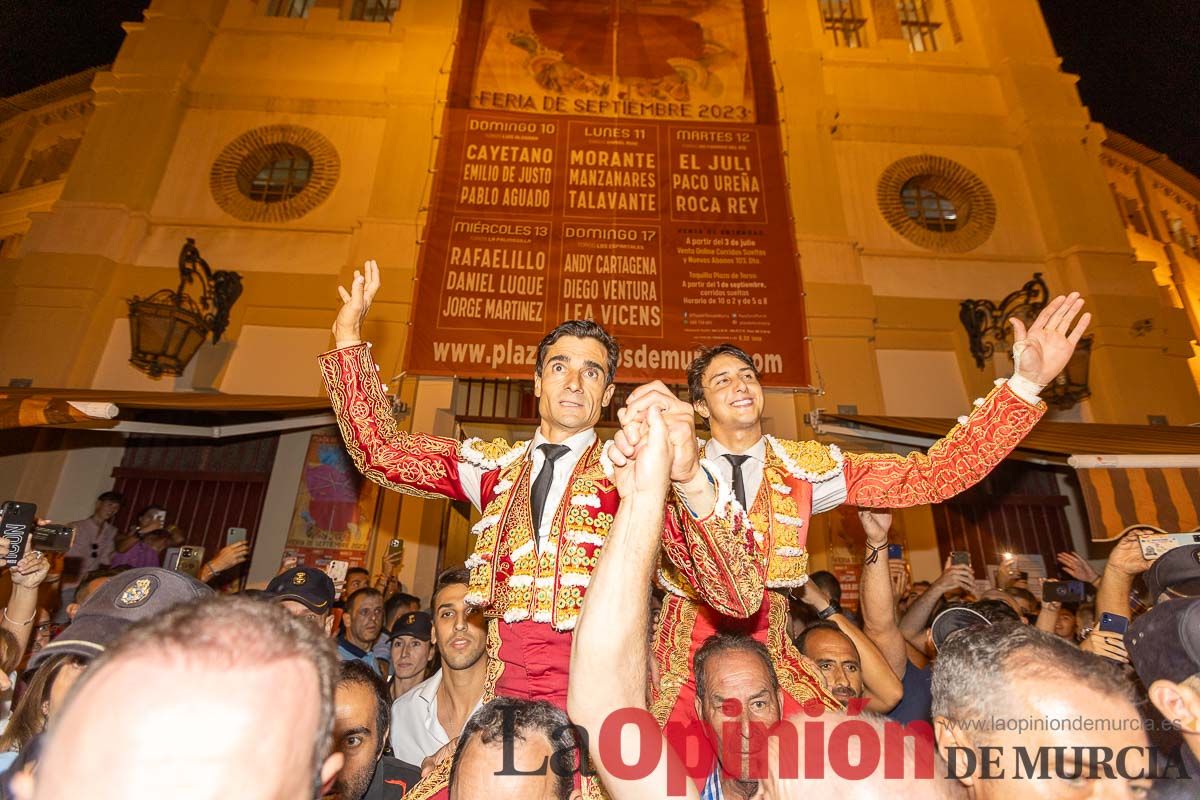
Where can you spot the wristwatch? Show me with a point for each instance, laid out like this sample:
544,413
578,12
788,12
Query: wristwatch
830,610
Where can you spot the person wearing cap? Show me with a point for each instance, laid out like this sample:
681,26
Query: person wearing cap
305,592
1175,574
126,598
1164,647
411,651
222,697
394,607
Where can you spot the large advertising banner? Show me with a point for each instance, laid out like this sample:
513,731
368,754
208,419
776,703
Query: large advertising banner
617,161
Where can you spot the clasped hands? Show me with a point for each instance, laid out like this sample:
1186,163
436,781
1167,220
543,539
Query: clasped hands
656,445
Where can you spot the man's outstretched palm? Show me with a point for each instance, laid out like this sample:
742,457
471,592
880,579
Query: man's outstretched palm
347,328
1046,347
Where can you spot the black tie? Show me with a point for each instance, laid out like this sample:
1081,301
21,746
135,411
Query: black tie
739,483
541,486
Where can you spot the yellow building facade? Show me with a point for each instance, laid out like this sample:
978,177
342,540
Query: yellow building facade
105,174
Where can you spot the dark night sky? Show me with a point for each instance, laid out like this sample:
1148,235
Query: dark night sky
1138,59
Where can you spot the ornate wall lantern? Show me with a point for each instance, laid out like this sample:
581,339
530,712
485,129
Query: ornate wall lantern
987,328
168,327
987,322
1071,385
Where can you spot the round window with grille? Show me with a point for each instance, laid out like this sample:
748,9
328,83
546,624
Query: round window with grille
937,203
274,174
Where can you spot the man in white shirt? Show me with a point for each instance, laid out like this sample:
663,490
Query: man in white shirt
429,716
94,539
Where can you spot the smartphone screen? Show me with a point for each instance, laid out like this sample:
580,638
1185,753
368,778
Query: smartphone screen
235,535
1062,591
959,557
895,552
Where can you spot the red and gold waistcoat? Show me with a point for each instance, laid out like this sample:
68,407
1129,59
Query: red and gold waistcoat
511,577
801,479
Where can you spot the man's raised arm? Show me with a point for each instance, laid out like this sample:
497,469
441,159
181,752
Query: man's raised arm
412,463
981,441
608,654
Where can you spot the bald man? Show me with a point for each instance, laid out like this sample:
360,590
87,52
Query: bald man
223,697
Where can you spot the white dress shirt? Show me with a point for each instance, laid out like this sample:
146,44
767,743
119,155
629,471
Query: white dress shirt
827,494
416,732
470,476
563,467
752,468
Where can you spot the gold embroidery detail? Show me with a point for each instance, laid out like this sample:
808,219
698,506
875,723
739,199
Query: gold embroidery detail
436,781
954,463
390,457
782,570
496,454
807,460
673,652
495,668
798,675
544,584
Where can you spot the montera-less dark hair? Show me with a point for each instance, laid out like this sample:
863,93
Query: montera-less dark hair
696,370
582,329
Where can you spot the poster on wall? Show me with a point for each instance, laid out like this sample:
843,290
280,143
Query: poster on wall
334,505
615,161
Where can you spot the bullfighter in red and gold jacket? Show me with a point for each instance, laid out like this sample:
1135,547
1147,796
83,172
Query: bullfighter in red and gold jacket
547,504
779,485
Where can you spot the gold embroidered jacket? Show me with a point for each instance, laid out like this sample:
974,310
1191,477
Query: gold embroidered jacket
511,577
801,479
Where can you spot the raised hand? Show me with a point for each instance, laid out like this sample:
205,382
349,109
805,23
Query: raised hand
876,523
347,327
1127,558
31,570
230,556
956,577
1106,644
641,457
680,420
1042,351
1077,567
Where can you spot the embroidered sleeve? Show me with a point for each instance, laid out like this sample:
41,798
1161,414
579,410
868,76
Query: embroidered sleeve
718,556
972,449
412,463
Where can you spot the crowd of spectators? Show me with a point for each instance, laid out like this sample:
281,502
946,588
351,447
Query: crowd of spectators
161,685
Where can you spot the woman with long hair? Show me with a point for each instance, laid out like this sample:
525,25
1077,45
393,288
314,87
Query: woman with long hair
42,698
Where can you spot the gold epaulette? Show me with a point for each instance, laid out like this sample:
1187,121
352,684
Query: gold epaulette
808,460
496,454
